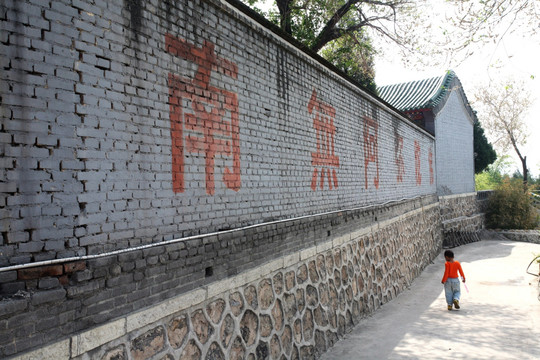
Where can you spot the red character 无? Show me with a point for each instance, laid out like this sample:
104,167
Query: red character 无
417,163
324,158
204,118
430,160
371,152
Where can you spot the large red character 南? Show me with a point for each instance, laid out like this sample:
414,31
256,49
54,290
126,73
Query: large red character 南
371,152
324,158
198,115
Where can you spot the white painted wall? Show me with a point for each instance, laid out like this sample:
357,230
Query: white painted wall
454,152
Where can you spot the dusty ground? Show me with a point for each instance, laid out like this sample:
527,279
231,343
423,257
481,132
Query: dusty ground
499,317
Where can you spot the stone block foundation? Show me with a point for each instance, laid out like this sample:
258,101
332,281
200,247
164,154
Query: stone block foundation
462,218
294,307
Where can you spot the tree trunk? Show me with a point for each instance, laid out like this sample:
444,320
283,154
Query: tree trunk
284,7
329,31
525,172
522,158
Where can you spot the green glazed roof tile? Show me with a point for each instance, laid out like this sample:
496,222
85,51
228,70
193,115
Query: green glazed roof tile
417,95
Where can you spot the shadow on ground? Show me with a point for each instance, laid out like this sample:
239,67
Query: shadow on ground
499,319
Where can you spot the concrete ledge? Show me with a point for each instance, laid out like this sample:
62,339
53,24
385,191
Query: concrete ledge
166,308
290,260
341,240
91,339
449,197
462,218
59,350
308,253
324,247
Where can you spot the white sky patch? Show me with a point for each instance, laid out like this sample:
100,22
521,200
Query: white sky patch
514,57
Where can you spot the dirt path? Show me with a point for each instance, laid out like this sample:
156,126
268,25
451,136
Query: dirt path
499,317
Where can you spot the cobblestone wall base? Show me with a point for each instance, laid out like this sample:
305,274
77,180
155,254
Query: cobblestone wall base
461,219
531,236
294,307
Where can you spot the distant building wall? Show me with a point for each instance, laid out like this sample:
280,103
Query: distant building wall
454,148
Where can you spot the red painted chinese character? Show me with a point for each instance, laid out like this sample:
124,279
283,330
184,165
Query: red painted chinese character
204,118
371,152
324,157
399,158
430,160
417,162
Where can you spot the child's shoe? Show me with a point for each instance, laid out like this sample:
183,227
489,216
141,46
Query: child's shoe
449,307
456,303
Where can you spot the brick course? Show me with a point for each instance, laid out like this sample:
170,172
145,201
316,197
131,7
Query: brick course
130,123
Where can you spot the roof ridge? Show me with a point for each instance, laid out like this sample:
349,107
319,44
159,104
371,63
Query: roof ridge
417,94
444,87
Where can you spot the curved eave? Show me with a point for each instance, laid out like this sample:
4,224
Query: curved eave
418,95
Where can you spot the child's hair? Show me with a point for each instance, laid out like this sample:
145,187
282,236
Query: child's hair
449,253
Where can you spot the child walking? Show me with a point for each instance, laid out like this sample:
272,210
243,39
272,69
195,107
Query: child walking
451,279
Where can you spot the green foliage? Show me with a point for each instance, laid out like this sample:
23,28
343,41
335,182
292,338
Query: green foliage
486,180
304,21
484,154
531,180
307,22
510,207
353,54
347,46
492,176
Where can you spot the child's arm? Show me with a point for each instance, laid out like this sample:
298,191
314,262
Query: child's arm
446,271
461,272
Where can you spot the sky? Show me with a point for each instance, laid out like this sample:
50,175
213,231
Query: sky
514,57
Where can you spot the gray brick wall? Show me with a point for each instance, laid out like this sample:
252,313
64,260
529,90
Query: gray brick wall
130,123
87,140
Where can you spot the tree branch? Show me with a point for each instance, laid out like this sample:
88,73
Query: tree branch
331,31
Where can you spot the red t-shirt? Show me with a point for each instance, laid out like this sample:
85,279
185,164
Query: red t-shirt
451,270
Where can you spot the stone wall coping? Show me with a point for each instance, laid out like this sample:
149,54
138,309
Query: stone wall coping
55,351
164,309
95,337
461,218
516,231
85,341
455,196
